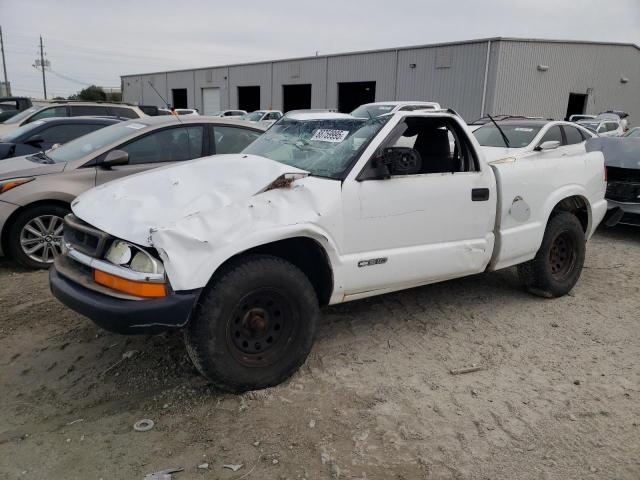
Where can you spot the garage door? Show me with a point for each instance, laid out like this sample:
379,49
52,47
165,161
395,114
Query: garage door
210,100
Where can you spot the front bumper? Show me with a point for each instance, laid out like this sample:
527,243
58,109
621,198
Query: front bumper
6,209
148,316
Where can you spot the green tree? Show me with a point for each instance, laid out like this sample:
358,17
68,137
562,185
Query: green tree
91,94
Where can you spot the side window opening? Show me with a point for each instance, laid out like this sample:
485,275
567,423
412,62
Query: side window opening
168,145
573,135
436,145
553,134
232,139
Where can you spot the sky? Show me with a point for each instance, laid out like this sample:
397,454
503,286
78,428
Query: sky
90,42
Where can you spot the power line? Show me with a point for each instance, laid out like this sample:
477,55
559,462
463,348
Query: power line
69,79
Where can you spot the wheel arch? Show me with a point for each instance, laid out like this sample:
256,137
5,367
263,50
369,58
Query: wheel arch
304,252
579,206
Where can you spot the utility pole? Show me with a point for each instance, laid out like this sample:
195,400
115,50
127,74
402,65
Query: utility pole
4,65
42,64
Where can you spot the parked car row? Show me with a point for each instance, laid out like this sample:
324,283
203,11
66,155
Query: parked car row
36,190
75,109
47,133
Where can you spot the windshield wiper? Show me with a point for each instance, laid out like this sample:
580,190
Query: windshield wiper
43,157
504,137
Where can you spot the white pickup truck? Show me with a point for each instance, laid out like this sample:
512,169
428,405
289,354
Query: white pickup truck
241,251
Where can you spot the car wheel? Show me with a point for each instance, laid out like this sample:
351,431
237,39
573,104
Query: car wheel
35,235
557,266
253,327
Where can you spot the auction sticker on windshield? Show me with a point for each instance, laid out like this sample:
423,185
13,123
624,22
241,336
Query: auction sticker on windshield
326,135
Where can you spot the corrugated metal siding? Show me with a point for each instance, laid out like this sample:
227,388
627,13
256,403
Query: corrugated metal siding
131,89
251,75
573,68
212,77
492,75
370,67
450,75
311,71
149,97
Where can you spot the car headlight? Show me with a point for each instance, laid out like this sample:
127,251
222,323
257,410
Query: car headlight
7,185
133,257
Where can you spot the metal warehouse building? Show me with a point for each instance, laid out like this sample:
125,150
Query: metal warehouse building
544,78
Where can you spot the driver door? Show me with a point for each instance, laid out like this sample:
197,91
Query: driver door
430,224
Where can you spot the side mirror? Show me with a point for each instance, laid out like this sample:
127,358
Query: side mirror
115,158
35,141
548,145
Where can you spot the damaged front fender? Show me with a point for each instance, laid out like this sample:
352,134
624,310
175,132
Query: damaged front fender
200,213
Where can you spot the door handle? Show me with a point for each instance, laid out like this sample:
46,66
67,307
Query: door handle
479,194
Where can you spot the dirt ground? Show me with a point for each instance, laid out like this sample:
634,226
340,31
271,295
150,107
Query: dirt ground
558,396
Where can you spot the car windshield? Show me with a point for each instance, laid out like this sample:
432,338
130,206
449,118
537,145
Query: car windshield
519,136
18,132
633,133
253,116
370,111
94,141
17,118
325,147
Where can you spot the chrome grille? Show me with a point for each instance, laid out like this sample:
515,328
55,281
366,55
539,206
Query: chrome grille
84,238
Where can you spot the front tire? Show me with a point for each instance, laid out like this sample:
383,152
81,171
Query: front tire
254,325
35,235
557,266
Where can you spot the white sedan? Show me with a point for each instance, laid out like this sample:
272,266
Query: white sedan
370,110
604,127
180,111
263,117
526,137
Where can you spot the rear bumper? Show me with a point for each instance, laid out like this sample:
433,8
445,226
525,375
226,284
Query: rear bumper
130,317
631,215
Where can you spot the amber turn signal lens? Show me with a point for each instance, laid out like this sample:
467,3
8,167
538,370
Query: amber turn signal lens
8,185
137,289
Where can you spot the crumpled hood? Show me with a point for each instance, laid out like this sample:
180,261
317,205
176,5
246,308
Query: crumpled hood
21,167
134,207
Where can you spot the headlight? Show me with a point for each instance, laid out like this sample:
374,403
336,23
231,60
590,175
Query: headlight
7,185
145,263
119,253
133,257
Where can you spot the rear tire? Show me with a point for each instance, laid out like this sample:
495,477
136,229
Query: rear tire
254,325
35,235
557,266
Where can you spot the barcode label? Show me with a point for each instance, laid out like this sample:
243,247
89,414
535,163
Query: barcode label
333,136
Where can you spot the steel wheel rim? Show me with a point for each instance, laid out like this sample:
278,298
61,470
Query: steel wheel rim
261,327
41,238
562,255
